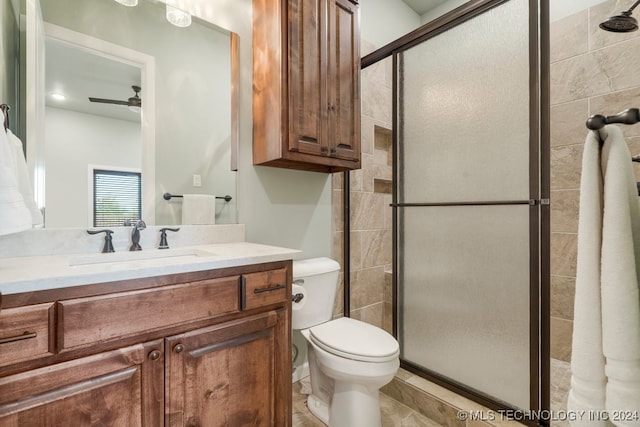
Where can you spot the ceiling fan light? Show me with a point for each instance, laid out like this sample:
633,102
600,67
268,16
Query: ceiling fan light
130,3
178,17
135,109
58,96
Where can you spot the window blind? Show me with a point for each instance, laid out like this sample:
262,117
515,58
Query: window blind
117,197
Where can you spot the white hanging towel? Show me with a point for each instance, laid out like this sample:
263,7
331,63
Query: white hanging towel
198,209
14,214
605,361
24,183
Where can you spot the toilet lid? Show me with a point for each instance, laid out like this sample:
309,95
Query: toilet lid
356,340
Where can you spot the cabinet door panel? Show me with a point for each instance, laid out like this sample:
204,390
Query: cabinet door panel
118,388
307,59
344,80
224,375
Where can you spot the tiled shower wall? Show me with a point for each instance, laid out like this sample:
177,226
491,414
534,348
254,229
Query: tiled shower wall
592,72
370,194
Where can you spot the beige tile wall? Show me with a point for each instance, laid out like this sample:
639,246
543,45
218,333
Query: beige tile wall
370,195
592,72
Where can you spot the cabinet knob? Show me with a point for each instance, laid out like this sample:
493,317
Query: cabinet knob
178,348
154,355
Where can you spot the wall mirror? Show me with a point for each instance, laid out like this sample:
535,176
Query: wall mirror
184,139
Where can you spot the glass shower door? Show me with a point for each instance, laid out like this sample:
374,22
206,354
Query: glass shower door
467,184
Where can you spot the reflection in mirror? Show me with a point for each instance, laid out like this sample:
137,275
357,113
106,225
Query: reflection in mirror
100,49
81,136
9,52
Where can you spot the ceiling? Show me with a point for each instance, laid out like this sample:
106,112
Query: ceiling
79,74
423,6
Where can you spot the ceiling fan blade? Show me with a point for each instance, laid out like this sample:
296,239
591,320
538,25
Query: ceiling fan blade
108,101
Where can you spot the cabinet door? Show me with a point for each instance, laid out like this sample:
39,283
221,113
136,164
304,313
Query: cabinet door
119,388
344,80
307,76
230,374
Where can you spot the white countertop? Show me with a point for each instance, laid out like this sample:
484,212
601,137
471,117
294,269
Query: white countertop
27,274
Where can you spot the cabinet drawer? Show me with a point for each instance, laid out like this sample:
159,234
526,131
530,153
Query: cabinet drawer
267,287
84,321
25,333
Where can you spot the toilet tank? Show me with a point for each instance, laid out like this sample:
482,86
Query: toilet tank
318,279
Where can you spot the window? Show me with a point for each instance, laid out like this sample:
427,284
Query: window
117,196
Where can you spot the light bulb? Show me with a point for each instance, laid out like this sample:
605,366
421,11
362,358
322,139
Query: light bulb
177,17
130,3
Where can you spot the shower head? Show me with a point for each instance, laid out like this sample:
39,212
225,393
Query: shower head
623,23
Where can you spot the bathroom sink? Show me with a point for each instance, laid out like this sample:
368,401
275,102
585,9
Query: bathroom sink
117,257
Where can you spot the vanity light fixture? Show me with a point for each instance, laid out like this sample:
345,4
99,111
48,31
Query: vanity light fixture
178,17
130,3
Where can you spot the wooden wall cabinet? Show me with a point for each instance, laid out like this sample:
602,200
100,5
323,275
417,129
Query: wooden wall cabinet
306,84
127,358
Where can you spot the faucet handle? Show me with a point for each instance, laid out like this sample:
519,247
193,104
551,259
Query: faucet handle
163,237
108,243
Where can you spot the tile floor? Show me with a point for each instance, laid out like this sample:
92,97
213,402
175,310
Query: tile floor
394,414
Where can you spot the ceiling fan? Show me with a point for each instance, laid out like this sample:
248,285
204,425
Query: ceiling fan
135,102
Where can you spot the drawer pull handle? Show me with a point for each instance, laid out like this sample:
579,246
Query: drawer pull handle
178,348
24,336
154,355
269,289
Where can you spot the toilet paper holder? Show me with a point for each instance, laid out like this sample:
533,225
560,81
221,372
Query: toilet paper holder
297,297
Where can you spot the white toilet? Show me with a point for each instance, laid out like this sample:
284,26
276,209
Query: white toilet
349,360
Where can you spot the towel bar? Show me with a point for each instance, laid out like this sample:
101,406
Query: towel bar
168,196
630,116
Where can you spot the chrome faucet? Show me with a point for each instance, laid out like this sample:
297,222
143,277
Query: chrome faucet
135,233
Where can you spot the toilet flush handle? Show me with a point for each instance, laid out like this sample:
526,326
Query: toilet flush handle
297,297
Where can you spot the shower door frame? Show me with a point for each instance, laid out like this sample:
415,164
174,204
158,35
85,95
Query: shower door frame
539,196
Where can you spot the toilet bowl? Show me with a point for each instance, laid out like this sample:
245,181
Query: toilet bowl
349,360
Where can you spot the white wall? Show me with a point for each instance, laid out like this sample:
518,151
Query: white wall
441,10
75,140
383,21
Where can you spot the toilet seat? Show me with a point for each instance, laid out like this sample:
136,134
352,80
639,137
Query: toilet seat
353,339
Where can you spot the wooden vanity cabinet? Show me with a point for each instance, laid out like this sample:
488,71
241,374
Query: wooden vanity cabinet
225,375
306,89
130,359
122,387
